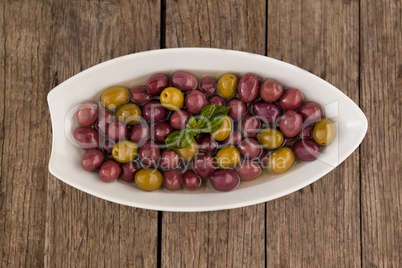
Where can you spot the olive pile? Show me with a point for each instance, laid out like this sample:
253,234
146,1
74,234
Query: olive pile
265,127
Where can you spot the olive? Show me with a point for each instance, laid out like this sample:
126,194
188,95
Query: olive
184,80
207,85
227,85
114,97
188,153
179,119
271,90
248,87
217,100
237,109
191,181
169,159
288,142
249,148
306,132
224,180
117,131
109,171
86,137
140,95
270,138
204,165
281,160
87,113
140,133
149,153
324,132
228,157
234,138
171,179
195,101
208,145
161,130
248,170
107,146
306,150
310,111
124,151
92,159
156,83
267,112
250,125
290,100
105,118
129,113
223,131
148,179
290,124
263,159
128,171
153,112
172,98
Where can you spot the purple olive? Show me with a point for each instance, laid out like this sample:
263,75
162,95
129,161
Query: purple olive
290,124
224,180
140,95
109,171
195,100
310,111
208,145
271,90
267,112
107,146
92,159
290,100
184,81
86,137
306,132
237,109
117,131
207,85
204,165
161,130
179,119
105,118
191,181
87,113
182,166
248,87
171,179
140,132
153,112
217,100
128,171
249,148
250,125
169,159
306,150
248,170
156,83
149,153
234,138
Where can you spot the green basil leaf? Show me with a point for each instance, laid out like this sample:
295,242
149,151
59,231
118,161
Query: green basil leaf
180,139
213,110
192,122
214,124
174,139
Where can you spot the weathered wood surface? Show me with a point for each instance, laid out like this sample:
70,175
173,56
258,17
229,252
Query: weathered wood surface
349,218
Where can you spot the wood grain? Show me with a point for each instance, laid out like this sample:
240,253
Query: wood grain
229,238
318,226
381,91
82,230
25,132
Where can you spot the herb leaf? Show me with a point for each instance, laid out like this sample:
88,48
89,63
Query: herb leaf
214,110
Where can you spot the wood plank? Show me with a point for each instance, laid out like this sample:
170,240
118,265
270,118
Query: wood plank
318,226
25,131
381,91
81,230
229,238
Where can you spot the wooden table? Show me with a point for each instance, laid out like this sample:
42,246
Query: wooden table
350,218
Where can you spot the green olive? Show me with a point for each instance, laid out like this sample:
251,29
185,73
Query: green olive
129,113
223,131
324,132
227,85
189,152
148,179
281,160
113,97
228,157
172,98
124,151
270,138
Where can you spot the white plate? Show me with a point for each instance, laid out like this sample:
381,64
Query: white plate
351,125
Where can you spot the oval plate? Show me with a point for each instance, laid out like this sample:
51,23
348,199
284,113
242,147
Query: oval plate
351,125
